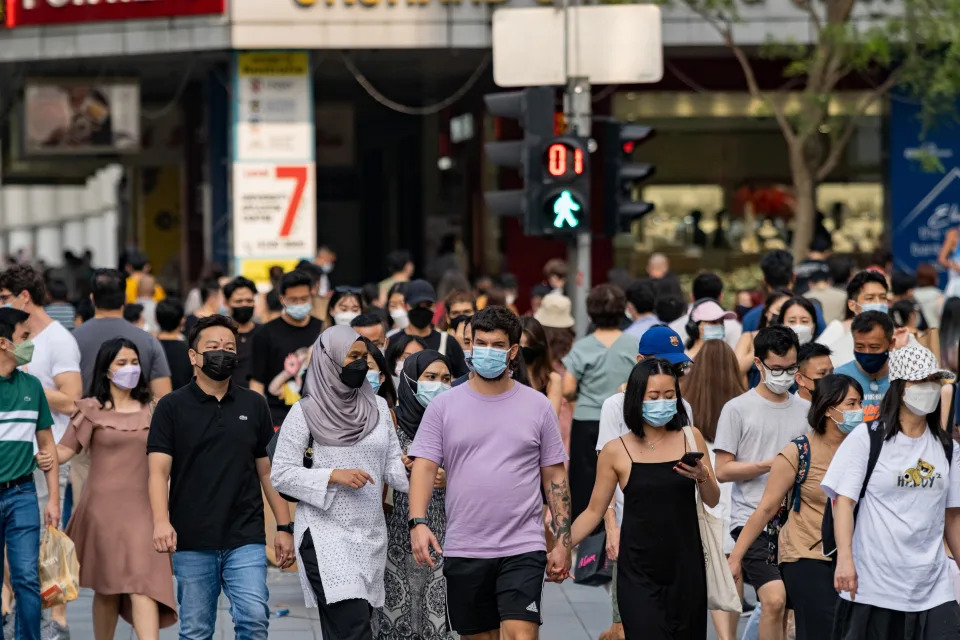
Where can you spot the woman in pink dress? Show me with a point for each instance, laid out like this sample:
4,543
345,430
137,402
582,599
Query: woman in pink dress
112,525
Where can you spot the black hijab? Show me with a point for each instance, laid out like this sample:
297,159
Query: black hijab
409,410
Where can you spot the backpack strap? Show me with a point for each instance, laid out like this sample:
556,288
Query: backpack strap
444,336
876,444
803,469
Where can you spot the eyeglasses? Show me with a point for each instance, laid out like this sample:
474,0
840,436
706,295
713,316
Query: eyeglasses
791,370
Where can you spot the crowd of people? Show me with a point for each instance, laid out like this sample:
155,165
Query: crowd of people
427,461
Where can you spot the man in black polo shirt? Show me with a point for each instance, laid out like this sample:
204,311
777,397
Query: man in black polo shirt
206,439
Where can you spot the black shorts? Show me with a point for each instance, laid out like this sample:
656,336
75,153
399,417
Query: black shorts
483,592
756,570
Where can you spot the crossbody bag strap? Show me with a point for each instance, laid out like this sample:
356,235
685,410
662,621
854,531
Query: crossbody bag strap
803,469
692,446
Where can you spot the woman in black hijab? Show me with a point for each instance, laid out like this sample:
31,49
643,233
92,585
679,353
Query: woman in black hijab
418,609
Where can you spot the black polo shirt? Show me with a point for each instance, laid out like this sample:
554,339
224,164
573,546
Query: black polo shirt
215,499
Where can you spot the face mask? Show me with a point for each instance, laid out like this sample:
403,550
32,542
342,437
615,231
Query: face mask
713,332
804,332
468,358
398,370
427,391
218,365
400,318
126,377
814,381
327,268
742,310
420,317
354,374
242,315
777,383
298,311
871,362
530,354
344,319
657,413
489,363
852,418
373,377
922,399
510,298
882,307
23,352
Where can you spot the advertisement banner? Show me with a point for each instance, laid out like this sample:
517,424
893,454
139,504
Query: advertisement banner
21,13
924,205
274,171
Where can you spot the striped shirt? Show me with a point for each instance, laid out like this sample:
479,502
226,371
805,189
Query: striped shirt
62,312
23,412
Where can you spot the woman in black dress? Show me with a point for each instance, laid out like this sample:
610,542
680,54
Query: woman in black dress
661,581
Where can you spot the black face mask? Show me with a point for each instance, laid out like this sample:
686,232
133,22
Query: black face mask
530,354
219,365
354,374
242,315
420,317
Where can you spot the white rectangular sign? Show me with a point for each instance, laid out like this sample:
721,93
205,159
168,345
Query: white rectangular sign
609,44
274,210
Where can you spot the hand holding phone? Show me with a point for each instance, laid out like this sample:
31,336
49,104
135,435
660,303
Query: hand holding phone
690,458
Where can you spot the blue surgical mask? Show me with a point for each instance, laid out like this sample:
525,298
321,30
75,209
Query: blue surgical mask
373,377
427,391
852,418
468,358
489,363
298,311
882,307
657,413
713,332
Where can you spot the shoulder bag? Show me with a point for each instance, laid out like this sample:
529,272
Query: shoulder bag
721,590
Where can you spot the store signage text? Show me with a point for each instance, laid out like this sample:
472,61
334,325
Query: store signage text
41,12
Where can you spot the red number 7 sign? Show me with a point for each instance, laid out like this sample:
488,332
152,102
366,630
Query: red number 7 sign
299,175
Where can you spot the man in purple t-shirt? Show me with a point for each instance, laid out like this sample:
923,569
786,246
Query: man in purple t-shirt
499,442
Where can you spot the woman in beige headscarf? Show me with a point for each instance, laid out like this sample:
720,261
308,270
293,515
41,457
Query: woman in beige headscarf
354,451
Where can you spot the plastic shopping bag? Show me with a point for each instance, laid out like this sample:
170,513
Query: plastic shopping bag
59,569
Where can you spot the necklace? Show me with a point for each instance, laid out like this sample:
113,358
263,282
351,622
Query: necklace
653,445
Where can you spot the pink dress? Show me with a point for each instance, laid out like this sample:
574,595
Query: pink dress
112,525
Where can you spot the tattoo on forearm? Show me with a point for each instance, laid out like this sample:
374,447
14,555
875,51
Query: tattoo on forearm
559,500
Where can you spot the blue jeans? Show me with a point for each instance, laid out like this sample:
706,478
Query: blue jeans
752,630
20,532
242,575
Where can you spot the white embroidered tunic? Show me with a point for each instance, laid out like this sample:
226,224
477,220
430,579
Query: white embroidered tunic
347,525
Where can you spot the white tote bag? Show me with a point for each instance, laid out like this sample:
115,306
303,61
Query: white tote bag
721,589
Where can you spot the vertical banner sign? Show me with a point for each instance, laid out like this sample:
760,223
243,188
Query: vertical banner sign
274,175
924,205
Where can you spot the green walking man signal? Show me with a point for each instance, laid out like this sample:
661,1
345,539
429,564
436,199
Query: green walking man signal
563,209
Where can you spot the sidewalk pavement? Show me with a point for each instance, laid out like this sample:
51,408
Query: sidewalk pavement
570,612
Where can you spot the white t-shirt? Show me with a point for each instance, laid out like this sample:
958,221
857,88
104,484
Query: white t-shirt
898,538
54,352
612,427
754,429
840,340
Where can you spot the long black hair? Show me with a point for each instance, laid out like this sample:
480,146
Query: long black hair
387,391
829,392
637,389
395,349
100,385
890,414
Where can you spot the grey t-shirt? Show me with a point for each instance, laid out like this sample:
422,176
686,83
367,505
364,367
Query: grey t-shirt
93,333
600,371
754,429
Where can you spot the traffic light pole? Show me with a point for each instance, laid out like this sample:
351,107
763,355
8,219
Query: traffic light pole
576,108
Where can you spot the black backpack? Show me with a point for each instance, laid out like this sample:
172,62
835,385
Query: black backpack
829,542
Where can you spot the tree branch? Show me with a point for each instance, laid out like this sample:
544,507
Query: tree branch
811,9
840,144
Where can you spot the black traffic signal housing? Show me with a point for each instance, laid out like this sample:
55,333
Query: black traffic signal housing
533,108
565,194
622,175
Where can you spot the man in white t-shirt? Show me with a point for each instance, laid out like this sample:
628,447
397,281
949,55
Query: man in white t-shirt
56,363
657,342
751,431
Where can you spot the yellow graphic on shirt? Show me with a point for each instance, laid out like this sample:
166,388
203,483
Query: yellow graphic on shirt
921,475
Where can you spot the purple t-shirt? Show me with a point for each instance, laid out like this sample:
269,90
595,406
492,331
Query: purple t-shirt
492,448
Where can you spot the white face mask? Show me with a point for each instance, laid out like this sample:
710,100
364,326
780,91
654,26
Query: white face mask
804,332
400,318
344,318
922,399
511,298
777,383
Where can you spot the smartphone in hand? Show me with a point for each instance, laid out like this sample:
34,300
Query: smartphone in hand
690,458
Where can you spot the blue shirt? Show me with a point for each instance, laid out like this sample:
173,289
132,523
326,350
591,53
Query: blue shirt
640,326
873,389
751,321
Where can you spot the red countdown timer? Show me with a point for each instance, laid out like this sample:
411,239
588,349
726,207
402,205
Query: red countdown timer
564,161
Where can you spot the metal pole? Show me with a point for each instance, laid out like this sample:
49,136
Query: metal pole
576,109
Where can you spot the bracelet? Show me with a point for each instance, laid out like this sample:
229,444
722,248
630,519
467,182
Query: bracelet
611,508
699,481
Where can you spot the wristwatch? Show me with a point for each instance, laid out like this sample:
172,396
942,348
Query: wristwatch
415,522
285,528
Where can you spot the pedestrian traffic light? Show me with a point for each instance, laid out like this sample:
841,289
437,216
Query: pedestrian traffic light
533,108
622,176
565,196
